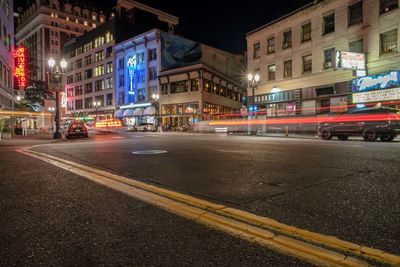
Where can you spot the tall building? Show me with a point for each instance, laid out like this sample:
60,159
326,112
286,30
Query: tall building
46,26
301,56
90,79
6,53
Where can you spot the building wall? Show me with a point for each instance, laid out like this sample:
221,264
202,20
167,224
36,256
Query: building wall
45,27
373,24
6,53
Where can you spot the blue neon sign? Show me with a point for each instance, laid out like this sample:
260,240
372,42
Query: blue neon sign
376,82
131,66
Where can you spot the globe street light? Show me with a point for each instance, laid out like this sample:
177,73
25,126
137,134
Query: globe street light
253,79
55,80
97,104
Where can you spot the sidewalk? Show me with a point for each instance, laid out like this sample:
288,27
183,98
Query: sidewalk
30,140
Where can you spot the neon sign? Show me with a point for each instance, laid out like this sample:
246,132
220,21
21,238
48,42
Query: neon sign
106,124
375,82
131,64
20,68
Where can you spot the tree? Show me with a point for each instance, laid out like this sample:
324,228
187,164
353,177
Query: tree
37,92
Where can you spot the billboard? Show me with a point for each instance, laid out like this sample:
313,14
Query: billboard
376,82
178,52
377,96
349,60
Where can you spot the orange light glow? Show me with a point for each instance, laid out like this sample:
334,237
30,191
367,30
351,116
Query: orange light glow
20,68
108,124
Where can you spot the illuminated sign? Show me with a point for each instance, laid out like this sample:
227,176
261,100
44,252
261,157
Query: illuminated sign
377,96
350,60
142,105
63,100
375,82
131,65
106,124
20,67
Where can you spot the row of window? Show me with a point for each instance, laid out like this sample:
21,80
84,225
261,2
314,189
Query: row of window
140,58
90,73
87,88
355,15
85,22
99,41
139,76
86,103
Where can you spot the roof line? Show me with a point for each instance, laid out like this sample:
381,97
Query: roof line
285,16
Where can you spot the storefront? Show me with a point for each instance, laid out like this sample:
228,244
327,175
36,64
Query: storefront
382,89
136,114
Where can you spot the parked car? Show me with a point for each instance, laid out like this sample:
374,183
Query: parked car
76,129
143,127
370,123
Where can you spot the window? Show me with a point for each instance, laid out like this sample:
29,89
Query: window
195,84
100,99
109,99
152,54
78,77
88,60
109,52
271,45
287,68
179,87
140,58
389,42
121,98
78,64
306,32
164,89
329,23
141,77
87,47
356,13
78,90
307,63
328,58
88,102
141,94
99,56
99,85
152,73
388,5
287,39
121,81
121,64
88,74
70,79
70,92
109,83
99,41
78,104
109,67
357,46
152,90
256,50
99,70
271,72
88,88
70,105
109,37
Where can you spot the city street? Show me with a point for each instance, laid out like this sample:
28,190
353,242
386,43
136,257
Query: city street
53,215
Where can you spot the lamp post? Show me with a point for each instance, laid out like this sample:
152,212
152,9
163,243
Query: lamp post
96,105
51,110
155,98
253,79
55,79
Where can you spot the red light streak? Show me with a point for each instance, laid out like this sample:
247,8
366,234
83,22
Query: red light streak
20,68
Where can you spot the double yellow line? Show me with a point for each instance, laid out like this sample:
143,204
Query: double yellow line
289,240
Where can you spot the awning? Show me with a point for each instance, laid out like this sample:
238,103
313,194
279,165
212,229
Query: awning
138,112
150,111
128,113
119,114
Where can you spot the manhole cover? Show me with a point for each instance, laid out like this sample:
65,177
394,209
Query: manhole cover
149,152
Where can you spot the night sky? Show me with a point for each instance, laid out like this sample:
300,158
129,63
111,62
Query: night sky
220,23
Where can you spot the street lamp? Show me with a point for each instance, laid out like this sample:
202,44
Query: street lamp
253,79
52,110
155,98
55,78
97,104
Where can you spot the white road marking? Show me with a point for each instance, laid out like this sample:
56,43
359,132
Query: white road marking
149,152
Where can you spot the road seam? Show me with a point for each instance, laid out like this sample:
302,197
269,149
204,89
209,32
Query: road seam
230,213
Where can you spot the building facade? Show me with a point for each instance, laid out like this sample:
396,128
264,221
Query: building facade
202,91
6,54
296,55
94,86
46,26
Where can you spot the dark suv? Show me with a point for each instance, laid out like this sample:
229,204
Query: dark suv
76,129
370,123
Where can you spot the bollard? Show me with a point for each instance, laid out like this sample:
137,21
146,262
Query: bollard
286,130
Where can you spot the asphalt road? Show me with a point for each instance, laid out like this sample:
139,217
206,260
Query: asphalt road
350,190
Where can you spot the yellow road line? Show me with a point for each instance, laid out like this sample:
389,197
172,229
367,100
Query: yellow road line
227,213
